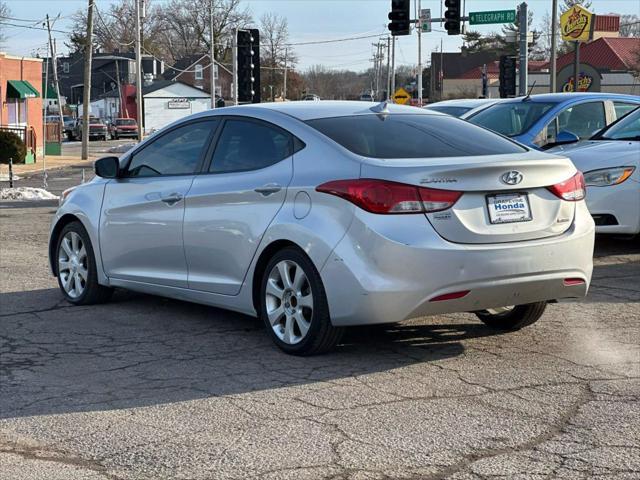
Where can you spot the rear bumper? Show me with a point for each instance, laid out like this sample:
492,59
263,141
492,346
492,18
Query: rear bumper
382,275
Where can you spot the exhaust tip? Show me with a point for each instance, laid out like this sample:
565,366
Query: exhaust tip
450,296
571,282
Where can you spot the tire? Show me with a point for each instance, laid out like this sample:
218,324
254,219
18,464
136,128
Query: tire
289,307
71,243
514,318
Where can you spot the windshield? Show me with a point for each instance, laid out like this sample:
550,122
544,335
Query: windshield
512,118
412,136
125,121
453,111
628,128
95,121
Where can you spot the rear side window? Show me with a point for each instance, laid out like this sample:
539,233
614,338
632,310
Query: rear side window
622,108
412,136
246,145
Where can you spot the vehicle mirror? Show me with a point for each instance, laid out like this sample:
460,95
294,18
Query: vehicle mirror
107,167
565,137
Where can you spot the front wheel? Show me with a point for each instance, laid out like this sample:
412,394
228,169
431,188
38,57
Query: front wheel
293,305
513,317
76,267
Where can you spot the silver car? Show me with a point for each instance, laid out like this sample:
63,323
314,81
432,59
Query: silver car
462,107
315,216
611,164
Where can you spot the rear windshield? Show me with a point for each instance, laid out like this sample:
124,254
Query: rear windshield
453,111
125,121
412,136
511,119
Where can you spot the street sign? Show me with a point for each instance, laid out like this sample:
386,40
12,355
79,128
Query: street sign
401,96
496,16
425,19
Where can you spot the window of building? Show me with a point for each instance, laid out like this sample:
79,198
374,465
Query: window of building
199,74
65,67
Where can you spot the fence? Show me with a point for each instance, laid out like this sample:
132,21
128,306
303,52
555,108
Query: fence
28,136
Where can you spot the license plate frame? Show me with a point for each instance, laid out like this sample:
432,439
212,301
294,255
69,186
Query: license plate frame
508,214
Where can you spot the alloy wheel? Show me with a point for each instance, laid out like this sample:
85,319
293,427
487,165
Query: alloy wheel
72,265
289,302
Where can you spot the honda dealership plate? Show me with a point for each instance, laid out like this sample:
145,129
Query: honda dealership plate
509,208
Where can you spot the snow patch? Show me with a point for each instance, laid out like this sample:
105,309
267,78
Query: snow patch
4,177
26,193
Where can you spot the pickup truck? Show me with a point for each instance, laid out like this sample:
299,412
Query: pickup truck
123,127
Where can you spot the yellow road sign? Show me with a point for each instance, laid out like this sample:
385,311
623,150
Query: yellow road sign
576,24
401,96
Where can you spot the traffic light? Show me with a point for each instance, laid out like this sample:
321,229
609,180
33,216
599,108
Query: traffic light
248,42
400,17
507,76
452,14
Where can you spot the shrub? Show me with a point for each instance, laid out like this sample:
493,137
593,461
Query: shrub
11,146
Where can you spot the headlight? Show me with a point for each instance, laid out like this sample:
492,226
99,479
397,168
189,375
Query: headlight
65,194
607,176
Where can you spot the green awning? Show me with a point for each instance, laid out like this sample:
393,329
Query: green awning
21,89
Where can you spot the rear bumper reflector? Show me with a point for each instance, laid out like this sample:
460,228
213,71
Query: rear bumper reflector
450,296
570,282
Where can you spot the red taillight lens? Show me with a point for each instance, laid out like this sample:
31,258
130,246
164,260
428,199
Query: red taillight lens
572,190
382,196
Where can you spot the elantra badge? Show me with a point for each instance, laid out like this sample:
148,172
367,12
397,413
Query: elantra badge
511,178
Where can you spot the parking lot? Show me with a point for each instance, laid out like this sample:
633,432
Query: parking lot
145,387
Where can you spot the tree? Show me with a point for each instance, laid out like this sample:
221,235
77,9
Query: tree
513,29
4,12
274,51
11,148
476,42
567,4
629,25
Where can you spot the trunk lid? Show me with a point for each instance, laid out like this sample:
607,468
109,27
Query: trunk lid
490,210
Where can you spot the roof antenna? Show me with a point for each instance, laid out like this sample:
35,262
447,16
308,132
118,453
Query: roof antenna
530,90
382,107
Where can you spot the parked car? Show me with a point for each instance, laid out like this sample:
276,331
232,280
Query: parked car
312,216
366,97
610,161
97,129
69,123
461,106
546,120
123,127
311,97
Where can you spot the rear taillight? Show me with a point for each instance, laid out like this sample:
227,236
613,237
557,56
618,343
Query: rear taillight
382,196
571,190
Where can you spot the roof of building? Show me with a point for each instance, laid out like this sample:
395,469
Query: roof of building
160,84
606,53
455,64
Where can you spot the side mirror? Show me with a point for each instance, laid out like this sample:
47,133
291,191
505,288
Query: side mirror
107,167
565,137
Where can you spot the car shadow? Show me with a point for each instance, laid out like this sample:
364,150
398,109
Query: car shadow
140,350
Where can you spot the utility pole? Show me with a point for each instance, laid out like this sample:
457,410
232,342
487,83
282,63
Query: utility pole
86,93
213,57
138,73
393,66
44,125
284,83
554,46
576,66
419,25
126,114
234,59
54,65
522,27
388,68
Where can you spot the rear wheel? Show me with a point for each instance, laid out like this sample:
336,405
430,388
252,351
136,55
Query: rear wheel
76,267
513,317
293,305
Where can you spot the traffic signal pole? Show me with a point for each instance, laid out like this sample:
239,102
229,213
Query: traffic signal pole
419,24
523,47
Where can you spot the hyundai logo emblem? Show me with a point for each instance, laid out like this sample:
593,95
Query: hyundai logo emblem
511,178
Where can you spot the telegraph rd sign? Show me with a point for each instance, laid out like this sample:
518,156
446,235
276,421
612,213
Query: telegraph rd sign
401,96
496,16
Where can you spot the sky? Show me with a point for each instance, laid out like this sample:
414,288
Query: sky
308,20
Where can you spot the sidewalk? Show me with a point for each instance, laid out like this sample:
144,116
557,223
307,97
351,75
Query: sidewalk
52,162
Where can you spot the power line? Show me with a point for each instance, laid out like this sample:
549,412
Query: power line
32,27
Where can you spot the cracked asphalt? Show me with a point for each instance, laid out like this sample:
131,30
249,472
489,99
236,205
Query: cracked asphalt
150,388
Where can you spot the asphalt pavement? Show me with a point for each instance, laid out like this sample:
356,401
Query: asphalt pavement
150,388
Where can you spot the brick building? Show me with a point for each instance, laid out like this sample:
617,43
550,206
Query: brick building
21,102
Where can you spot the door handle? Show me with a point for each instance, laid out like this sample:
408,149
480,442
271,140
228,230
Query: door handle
172,198
268,189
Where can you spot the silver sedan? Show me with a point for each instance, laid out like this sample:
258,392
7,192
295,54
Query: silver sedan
315,216
611,165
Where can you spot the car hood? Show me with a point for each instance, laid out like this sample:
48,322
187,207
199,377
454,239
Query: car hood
593,154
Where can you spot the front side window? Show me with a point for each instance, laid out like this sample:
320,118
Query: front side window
199,74
450,110
412,136
176,152
511,118
246,145
583,120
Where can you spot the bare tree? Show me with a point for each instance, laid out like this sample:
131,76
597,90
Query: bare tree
629,25
4,12
275,53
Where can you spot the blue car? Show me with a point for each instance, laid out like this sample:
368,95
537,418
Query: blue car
546,120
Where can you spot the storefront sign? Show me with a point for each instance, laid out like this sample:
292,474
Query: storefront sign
576,24
178,103
589,79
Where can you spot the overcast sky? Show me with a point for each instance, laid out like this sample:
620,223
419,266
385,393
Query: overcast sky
309,20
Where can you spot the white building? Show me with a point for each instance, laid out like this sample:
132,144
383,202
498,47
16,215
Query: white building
167,101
